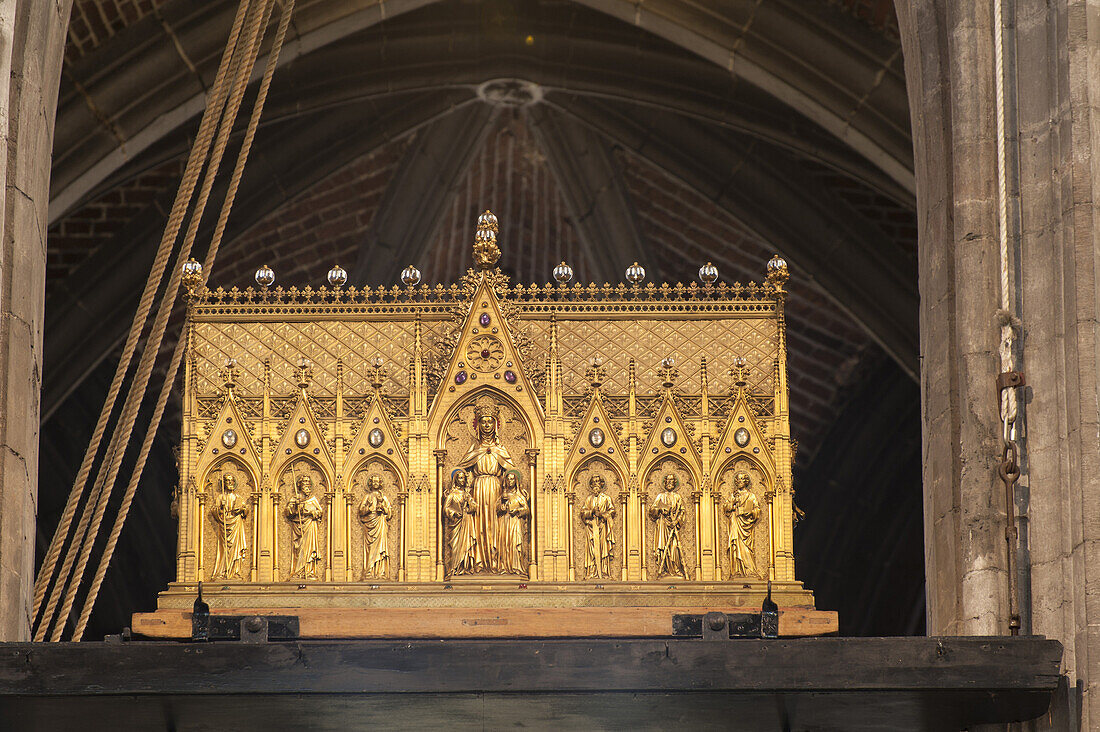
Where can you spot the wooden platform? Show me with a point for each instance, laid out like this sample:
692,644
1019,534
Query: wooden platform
586,622
805,683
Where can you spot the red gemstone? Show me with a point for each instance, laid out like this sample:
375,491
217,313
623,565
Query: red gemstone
485,353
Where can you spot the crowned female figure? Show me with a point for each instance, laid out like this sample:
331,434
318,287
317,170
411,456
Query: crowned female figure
229,512
512,512
305,513
459,514
488,460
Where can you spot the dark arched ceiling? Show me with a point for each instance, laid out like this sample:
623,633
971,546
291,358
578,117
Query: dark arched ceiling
601,131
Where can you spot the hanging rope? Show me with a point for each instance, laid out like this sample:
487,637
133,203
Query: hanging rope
241,61
108,470
181,345
1009,379
195,163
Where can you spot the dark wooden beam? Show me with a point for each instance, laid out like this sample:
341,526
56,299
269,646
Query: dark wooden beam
820,683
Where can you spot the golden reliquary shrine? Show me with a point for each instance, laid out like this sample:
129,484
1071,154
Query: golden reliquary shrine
486,459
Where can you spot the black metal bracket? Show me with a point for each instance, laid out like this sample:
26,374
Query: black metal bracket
717,626
244,628
723,626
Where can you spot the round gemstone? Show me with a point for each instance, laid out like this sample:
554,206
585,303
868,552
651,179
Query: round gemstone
460,377
741,437
485,353
301,438
375,437
484,320
510,377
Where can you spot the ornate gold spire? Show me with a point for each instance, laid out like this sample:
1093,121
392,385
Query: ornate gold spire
486,251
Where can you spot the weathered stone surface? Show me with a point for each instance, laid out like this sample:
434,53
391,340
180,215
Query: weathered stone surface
33,35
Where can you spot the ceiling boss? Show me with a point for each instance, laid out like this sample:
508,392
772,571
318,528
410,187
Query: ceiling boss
533,446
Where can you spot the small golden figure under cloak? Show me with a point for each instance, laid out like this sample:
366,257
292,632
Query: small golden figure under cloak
488,460
512,515
597,514
375,512
305,514
668,512
744,511
459,514
228,513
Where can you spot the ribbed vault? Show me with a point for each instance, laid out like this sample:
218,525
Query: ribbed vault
600,131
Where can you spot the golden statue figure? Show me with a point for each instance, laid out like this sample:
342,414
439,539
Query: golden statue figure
374,513
305,518
488,460
229,512
744,511
668,511
596,513
458,515
512,514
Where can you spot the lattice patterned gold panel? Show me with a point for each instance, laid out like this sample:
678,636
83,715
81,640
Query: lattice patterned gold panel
649,341
322,342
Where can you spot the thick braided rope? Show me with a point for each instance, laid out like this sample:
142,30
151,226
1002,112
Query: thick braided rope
179,207
101,494
125,424
181,345
1008,404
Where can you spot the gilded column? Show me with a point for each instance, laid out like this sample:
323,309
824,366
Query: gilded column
643,498
532,472
570,499
440,457
268,546
341,559
633,551
403,512
348,501
275,535
696,495
624,498
706,541
715,506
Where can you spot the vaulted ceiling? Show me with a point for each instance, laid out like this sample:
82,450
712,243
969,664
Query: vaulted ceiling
600,131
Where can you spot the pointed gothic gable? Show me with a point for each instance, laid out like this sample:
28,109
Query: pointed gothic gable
661,443
376,437
755,446
312,445
230,435
597,436
485,355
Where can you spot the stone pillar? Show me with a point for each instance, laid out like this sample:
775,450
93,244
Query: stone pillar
1054,67
949,74
1059,119
32,37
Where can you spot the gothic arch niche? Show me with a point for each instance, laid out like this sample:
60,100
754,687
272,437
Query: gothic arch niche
302,540
681,512
228,522
458,436
760,537
581,485
359,519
